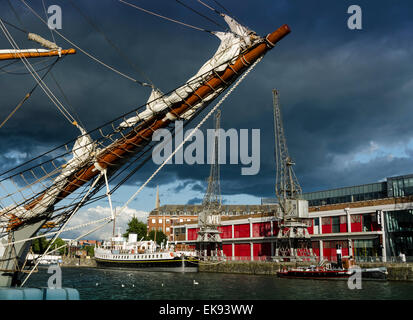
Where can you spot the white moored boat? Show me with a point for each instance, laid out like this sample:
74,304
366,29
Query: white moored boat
122,253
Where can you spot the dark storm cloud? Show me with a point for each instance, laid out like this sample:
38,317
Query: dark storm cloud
339,89
194,201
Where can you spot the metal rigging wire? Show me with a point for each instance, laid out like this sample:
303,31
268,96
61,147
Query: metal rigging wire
27,96
113,45
200,14
82,50
164,17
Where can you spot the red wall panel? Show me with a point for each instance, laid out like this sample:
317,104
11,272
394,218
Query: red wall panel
275,228
261,229
326,224
343,224
262,249
311,228
242,250
326,253
257,249
226,232
192,233
356,223
316,248
242,230
266,249
227,249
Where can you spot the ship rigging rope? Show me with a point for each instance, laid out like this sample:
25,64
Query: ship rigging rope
120,52
216,11
84,51
209,7
45,14
189,136
61,247
105,124
222,6
163,17
14,26
17,17
28,95
2,69
201,14
33,72
78,205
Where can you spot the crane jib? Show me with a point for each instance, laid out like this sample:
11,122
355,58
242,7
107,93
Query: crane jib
119,150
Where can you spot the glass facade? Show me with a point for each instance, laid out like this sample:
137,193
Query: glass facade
348,194
366,250
400,186
393,187
399,227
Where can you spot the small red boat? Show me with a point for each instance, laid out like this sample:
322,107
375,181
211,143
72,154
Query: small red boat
323,273
315,273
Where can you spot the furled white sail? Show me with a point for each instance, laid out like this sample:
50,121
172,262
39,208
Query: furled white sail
82,152
232,43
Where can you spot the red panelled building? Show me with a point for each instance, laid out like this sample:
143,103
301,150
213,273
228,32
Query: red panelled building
370,222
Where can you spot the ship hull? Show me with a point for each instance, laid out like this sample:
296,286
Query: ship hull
169,265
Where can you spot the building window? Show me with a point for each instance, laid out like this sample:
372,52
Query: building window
167,229
325,221
366,250
160,220
335,224
153,220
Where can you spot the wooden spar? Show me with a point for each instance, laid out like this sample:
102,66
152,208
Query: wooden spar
131,141
114,154
35,54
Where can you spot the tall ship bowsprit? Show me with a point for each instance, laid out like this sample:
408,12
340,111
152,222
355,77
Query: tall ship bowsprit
39,197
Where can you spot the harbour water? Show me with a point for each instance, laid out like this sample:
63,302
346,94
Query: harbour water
102,284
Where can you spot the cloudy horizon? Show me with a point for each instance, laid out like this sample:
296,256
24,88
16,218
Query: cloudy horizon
345,94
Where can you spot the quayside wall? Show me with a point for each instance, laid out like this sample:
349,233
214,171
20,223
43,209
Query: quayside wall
78,262
396,271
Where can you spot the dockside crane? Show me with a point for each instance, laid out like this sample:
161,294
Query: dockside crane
293,240
209,242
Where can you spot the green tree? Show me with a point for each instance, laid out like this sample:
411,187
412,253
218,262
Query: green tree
58,243
135,226
39,245
90,251
160,236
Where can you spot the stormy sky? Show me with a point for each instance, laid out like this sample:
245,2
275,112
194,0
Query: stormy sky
346,95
